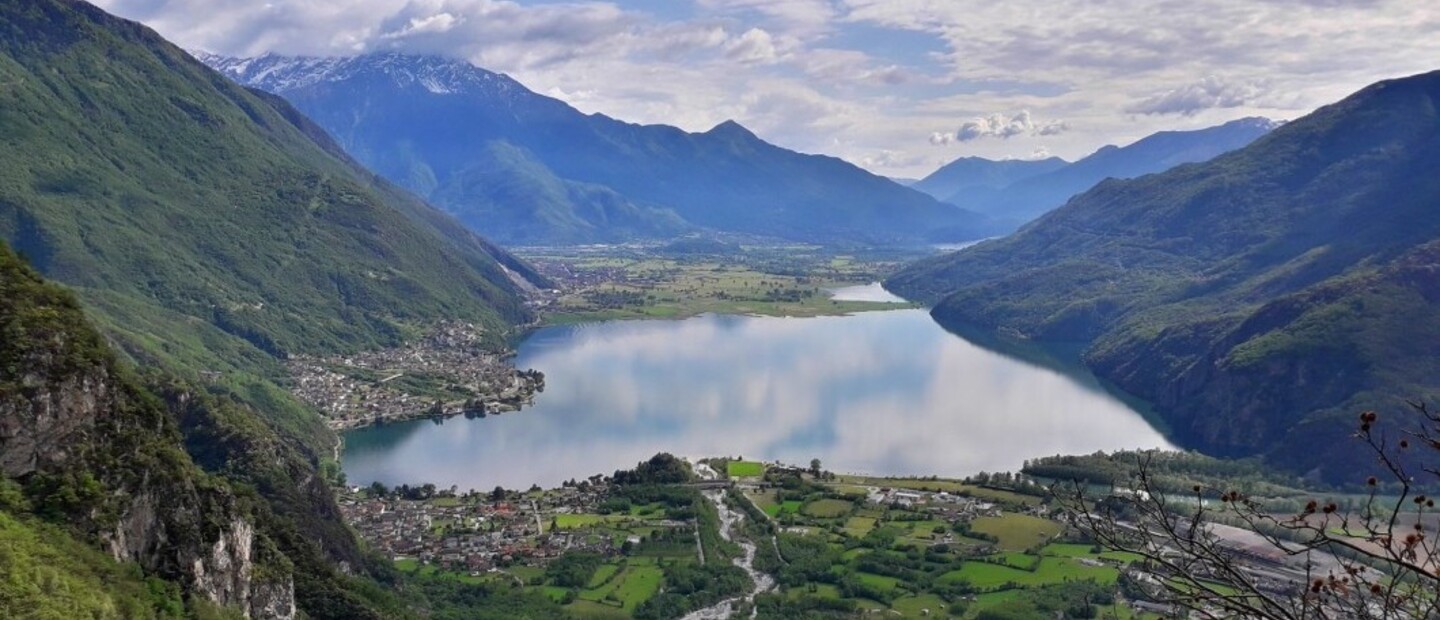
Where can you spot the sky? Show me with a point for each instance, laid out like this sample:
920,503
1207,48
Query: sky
897,86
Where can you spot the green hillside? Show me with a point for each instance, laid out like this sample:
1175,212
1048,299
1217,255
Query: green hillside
505,183
208,231
1259,299
137,175
128,494
85,447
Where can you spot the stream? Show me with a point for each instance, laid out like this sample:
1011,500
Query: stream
730,521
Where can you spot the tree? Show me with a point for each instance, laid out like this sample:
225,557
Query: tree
815,467
497,495
1377,561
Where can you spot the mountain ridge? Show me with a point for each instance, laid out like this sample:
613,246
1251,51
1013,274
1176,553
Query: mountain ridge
1259,299
970,174
725,178
1031,195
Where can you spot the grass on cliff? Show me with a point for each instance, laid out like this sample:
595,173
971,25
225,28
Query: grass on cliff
45,573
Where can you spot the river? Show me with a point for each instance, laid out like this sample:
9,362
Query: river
887,392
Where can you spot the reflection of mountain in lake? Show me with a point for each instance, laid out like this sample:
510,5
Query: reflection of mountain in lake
881,392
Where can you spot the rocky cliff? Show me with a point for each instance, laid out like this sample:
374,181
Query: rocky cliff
94,449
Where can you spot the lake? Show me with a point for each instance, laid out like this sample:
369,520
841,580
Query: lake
886,392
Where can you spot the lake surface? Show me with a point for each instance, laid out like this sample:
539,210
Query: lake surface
877,392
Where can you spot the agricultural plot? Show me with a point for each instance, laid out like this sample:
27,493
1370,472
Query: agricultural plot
828,508
744,469
987,576
766,501
1017,532
602,575
858,527
923,606
644,284
1087,551
912,553
882,582
626,587
577,521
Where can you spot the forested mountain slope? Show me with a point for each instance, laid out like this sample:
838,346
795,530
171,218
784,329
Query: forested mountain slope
968,179
1259,299
1033,195
127,167
84,446
208,231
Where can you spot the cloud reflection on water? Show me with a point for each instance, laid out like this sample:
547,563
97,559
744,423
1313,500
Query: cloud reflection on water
881,392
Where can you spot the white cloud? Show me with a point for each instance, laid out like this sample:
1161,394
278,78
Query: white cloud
887,160
437,23
810,16
1208,93
755,46
854,78
999,125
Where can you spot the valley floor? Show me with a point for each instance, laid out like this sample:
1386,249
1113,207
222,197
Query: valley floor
637,282
908,547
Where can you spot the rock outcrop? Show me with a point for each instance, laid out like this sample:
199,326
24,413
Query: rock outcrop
93,448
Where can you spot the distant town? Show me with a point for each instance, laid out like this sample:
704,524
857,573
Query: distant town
913,547
447,372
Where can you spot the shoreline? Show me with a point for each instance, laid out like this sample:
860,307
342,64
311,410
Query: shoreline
802,310
449,410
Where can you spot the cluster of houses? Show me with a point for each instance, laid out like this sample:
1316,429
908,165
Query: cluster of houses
363,388
576,275
472,532
944,504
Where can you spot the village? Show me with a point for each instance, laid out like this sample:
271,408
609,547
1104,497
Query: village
903,544
447,372
473,532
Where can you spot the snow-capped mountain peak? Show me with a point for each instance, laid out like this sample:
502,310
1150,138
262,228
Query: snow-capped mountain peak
435,74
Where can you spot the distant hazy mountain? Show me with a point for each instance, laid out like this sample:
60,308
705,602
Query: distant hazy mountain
480,144
962,178
1030,195
1261,299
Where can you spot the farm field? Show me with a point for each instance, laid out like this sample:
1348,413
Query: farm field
987,576
574,521
893,548
852,483
1017,532
630,283
919,554
829,508
744,469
